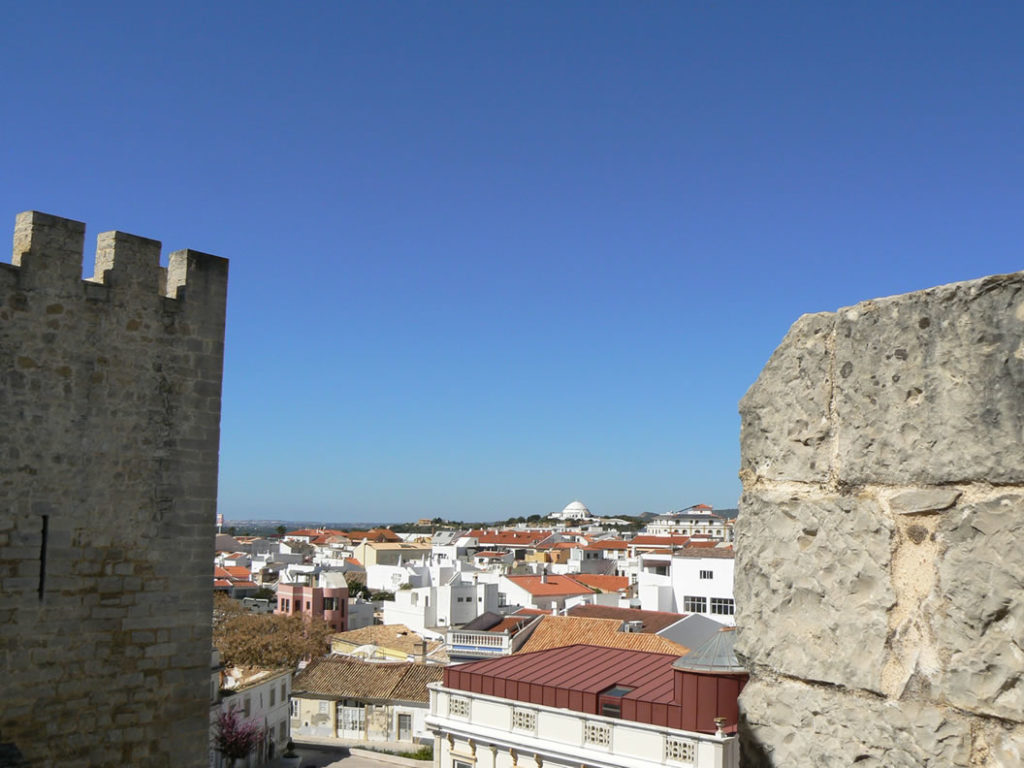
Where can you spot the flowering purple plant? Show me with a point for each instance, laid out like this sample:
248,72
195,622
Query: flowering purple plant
236,738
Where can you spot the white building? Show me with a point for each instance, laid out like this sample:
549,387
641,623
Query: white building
696,580
575,510
584,706
697,521
431,610
345,699
255,695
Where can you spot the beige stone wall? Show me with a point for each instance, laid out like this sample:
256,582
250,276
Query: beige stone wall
880,540
109,432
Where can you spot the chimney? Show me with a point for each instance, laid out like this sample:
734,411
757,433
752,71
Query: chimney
544,575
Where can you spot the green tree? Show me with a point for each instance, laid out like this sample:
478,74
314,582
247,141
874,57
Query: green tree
281,530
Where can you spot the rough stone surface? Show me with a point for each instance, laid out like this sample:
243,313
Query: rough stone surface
920,502
785,414
880,572
109,435
928,374
789,723
794,586
979,608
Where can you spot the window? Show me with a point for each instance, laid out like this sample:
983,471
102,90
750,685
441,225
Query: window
695,604
308,606
330,603
247,706
707,575
325,707
461,764
294,707
723,606
283,694
611,700
273,695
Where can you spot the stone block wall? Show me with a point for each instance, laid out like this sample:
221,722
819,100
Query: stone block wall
109,436
880,540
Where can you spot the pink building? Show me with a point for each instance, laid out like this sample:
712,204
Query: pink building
327,603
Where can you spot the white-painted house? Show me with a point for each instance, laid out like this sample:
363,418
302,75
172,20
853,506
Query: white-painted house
693,581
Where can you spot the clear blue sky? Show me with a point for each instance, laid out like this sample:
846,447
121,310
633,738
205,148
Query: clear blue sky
489,257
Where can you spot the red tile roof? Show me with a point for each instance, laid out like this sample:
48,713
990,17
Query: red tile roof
603,582
609,544
550,586
659,541
653,621
509,538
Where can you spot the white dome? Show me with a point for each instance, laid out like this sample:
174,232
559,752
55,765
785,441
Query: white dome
575,509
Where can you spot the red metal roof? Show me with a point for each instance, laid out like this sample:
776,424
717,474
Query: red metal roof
574,677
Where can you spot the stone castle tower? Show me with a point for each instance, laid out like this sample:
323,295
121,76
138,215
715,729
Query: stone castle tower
109,433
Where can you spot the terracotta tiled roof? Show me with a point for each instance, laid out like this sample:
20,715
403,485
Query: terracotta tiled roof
713,550
550,586
603,582
609,544
353,561
491,554
315,532
509,538
343,678
560,631
374,534
653,621
221,584
531,612
397,637
659,541
238,572
510,623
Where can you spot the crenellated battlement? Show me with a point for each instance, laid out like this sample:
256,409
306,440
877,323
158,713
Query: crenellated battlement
109,435
49,252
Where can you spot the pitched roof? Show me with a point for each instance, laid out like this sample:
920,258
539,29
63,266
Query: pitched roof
397,637
509,538
561,631
603,582
550,586
659,541
374,534
609,544
338,677
706,549
653,621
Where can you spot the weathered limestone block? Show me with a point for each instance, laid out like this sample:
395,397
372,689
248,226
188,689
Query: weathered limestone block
929,386
978,619
923,501
814,587
785,430
789,723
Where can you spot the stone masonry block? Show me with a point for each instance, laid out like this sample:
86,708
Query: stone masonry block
801,609
785,431
979,608
930,385
793,724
